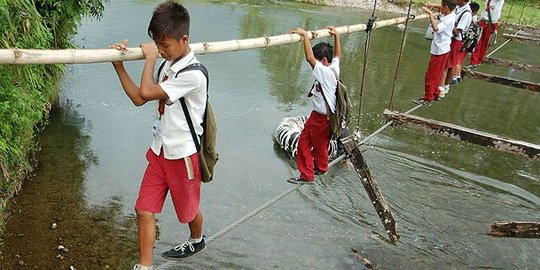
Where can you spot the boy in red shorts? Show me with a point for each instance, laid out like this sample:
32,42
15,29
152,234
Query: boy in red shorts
312,155
173,163
440,48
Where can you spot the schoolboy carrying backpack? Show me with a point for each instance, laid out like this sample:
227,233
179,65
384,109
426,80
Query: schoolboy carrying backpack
206,147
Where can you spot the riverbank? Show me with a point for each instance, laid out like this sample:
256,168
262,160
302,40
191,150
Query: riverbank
27,93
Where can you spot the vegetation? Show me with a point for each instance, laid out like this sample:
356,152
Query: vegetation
512,10
27,93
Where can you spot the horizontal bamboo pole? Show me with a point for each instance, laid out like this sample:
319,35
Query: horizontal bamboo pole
85,56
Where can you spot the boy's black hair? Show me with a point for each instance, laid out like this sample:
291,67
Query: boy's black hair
451,4
170,19
323,49
474,7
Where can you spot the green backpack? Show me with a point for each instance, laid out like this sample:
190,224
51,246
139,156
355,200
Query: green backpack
208,156
339,119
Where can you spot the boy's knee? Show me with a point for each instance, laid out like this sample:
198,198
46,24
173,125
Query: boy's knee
145,215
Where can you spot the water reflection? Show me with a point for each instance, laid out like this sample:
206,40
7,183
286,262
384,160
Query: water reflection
93,236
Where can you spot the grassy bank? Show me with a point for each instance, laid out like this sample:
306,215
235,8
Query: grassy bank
513,10
27,93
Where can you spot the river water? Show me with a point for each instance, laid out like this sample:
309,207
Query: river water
444,193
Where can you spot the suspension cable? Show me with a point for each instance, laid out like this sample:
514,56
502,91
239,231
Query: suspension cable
369,28
391,103
521,15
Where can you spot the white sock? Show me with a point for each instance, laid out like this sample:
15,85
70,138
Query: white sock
142,267
446,87
195,240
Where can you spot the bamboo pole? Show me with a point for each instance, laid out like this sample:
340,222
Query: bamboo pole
86,56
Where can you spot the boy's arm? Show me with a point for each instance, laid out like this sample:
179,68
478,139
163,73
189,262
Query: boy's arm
431,18
310,57
337,44
149,89
131,89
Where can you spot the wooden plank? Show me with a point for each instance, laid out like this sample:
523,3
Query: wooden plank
533,86
371,187
515,229
511,64
532,40
468,135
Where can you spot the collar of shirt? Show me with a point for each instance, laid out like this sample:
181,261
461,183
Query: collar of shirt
182,63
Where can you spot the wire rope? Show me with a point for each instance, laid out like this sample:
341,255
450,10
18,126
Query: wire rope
369,28
391,103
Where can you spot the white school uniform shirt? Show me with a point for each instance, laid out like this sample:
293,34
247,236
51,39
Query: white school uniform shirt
326,77
175,136
496,9
442,38
465,21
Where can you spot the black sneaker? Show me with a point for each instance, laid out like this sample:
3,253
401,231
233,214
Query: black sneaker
421,101
319,172
184,250
299,181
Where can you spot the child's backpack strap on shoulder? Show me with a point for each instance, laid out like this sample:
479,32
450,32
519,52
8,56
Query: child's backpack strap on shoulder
202,68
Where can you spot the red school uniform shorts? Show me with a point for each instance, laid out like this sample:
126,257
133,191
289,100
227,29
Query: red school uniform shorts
163,175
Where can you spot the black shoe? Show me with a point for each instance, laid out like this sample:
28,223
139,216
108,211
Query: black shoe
299,181
421,101
319,172
184,250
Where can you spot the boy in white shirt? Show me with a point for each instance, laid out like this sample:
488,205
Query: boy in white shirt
489,25
173,161
312,155
440,48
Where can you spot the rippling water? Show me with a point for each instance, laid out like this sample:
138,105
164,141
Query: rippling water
444,194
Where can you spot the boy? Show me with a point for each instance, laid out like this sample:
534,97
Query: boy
452,75
489,25
440,48
172,157
312,155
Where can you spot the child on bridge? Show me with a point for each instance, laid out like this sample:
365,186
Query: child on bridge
312,155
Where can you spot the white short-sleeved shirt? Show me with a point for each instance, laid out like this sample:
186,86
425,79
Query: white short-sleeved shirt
496,9
326,77
463,19
175,136
442,38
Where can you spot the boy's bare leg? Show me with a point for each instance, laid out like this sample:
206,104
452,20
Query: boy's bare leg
147,235
196,225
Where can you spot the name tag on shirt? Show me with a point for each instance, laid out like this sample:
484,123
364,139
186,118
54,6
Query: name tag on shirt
156,127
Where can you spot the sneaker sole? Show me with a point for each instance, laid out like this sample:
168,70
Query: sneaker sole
184,258
294,181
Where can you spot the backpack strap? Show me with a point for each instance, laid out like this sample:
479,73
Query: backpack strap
202,68
160,68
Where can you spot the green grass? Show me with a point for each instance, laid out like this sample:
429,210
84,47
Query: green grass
512,10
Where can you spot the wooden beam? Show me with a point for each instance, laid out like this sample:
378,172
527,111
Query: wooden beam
371,187
533,86
532,40
515,229
511,64
468,135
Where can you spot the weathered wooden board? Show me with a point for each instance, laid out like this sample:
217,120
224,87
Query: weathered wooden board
467,134
515,229
371,187
532,40
533,86
511,64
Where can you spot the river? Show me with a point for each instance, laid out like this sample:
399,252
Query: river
444,193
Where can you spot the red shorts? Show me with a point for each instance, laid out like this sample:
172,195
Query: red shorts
162,175
456,56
